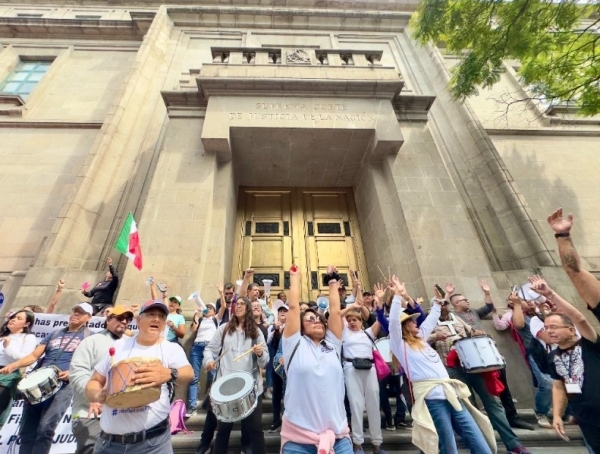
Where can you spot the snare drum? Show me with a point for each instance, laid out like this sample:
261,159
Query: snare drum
123,392
40,385
383,345
479,354
233,396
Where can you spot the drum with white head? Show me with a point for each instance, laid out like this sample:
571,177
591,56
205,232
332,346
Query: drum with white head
233,396
40,385
479,354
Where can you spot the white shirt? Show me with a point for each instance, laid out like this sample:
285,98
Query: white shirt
129,420
314,396
19,347
206,329
418,364
356,345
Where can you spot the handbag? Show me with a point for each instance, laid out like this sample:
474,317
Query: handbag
381,367
362,363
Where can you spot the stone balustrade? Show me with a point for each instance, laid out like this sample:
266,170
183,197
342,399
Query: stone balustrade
296,56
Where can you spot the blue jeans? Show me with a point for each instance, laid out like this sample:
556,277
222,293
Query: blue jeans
269,369
445,417
493,407
40,421
341,446
543,394
196,356
160,444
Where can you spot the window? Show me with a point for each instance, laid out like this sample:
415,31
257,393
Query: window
24,77
29,15
87,17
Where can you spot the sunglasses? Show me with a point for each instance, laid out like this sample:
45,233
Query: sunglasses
312,320
123,318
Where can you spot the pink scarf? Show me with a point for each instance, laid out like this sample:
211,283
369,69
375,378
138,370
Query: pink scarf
323,441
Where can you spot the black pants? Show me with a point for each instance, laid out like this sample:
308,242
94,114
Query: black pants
506,398
591,433
5,398
251,424
277,397
210,427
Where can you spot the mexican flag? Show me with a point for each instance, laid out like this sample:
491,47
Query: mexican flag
128,242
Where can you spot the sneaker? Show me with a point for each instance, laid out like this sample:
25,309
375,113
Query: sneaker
403,425
518,423
190,411
275,427
543,421
268,394
390,426
358,449
519,450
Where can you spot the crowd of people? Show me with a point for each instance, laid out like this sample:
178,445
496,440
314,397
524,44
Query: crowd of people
323,366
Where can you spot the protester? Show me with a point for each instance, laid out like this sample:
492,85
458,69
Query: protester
84,414
205,325
314,397
226,298
102,294
40,420
273,341
440,403
16,342
143,430
574,365
360,377
236,337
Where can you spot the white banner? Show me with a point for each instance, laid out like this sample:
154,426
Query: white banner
64,441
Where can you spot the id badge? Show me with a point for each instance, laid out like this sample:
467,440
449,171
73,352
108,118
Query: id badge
573,388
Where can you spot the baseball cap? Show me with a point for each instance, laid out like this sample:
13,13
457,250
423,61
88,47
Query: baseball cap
151,304
119,309
85,307
284,307
177,299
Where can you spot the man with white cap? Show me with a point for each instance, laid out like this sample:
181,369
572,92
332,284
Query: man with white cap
145,429
40,421
85,423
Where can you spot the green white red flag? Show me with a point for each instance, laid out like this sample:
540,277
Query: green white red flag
128,242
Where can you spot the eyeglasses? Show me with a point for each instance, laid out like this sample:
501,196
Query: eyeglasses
553,327
123,318
312,320
240,303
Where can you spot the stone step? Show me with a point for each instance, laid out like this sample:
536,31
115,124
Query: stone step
393,441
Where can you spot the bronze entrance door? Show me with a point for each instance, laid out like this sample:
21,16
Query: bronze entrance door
310,227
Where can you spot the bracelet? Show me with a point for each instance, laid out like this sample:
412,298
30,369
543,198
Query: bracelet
562,235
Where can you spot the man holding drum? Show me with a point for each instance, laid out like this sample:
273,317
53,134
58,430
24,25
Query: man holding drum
41,419
84,422
131,380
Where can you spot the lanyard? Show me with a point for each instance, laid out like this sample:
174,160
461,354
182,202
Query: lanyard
569,365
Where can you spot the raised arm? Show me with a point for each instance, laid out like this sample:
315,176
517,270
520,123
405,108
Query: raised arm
584,281
487,296
335,323
378,295
247,280
586,330
518,318
223,306
114,283
292,321
54,300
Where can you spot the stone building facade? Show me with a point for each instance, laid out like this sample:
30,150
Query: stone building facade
261,133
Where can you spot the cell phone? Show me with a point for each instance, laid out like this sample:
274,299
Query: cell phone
515,289
439,289
162,287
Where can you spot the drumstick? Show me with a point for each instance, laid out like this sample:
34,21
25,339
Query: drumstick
245,353
221,355
384,277
278,367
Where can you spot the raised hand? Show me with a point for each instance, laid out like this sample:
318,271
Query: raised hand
539,285
399,286
449,288
249,272
60,285
485,287
220,288
560,224
108,261
514,298
437,294
294,270
378,291
331,269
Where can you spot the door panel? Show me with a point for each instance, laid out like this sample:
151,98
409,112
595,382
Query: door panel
312,228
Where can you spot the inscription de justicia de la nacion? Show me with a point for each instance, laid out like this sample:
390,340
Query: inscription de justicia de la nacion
301,111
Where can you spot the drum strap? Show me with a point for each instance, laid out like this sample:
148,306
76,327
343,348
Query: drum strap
62,350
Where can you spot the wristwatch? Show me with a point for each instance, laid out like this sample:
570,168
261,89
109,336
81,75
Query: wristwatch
174,375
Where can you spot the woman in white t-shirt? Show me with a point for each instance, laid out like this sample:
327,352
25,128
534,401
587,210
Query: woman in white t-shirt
205,323
314,398
16,342
362,386
440,403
